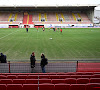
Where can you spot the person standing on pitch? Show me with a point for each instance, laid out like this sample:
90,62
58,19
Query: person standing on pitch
61,30
44,61
32,60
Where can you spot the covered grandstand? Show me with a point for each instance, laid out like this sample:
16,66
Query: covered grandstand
50,15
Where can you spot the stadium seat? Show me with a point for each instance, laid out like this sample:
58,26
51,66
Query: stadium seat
46,86
3,77
96,76
56,81
54,76
6,81
62,87
64,76
11,76
86,76
77,87
94,80
22,76
82,80
30,86
3,87
31,81
75,76
14,87
32,76
93,86
71,73
44,81
43,76
19,81
70,81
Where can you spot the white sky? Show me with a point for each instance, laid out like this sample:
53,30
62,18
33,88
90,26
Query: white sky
46,2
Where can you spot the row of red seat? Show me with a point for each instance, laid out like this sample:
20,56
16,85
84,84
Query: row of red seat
53,81
69,73
47,76
90,86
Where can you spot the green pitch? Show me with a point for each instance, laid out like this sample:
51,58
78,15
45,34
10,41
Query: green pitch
71,44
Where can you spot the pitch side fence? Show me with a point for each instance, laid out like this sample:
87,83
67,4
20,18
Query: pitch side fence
53,66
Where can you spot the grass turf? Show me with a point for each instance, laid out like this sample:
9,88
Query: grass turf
71,44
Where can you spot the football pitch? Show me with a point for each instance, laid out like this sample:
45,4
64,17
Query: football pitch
71,44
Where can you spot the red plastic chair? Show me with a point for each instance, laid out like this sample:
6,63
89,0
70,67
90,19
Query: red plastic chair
77,87
30,86
70,81
44,81
56,81
19,81
11,76
46,86
14,87
82,80
3,87
32,77
6,81
31,81
62,87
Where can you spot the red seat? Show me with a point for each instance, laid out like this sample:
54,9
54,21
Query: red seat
6,81
93,86
32,77
86,76
56,81
43,76
54,76
62,87
75,76
46,86
3,77
30,86
94,80
14,87
71,73
19,81
11,76
44,81
64,76
96,75
31,81
3,87
70,81
77,87
82,80
22,76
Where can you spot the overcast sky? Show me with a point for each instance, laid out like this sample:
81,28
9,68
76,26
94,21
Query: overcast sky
47,2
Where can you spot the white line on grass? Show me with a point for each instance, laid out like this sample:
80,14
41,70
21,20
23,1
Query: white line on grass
8,34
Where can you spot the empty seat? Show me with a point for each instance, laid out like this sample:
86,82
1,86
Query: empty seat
96,76
14,87
86,76
75,76
2,86
11,76
3,77
62,86
6,81
82,80
93,86
64,76
77,87
70,81
94,80
44,81
19,81
30,86
71,73
43,76
31,81
32,76
22,76
56,81
46,86
54,76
